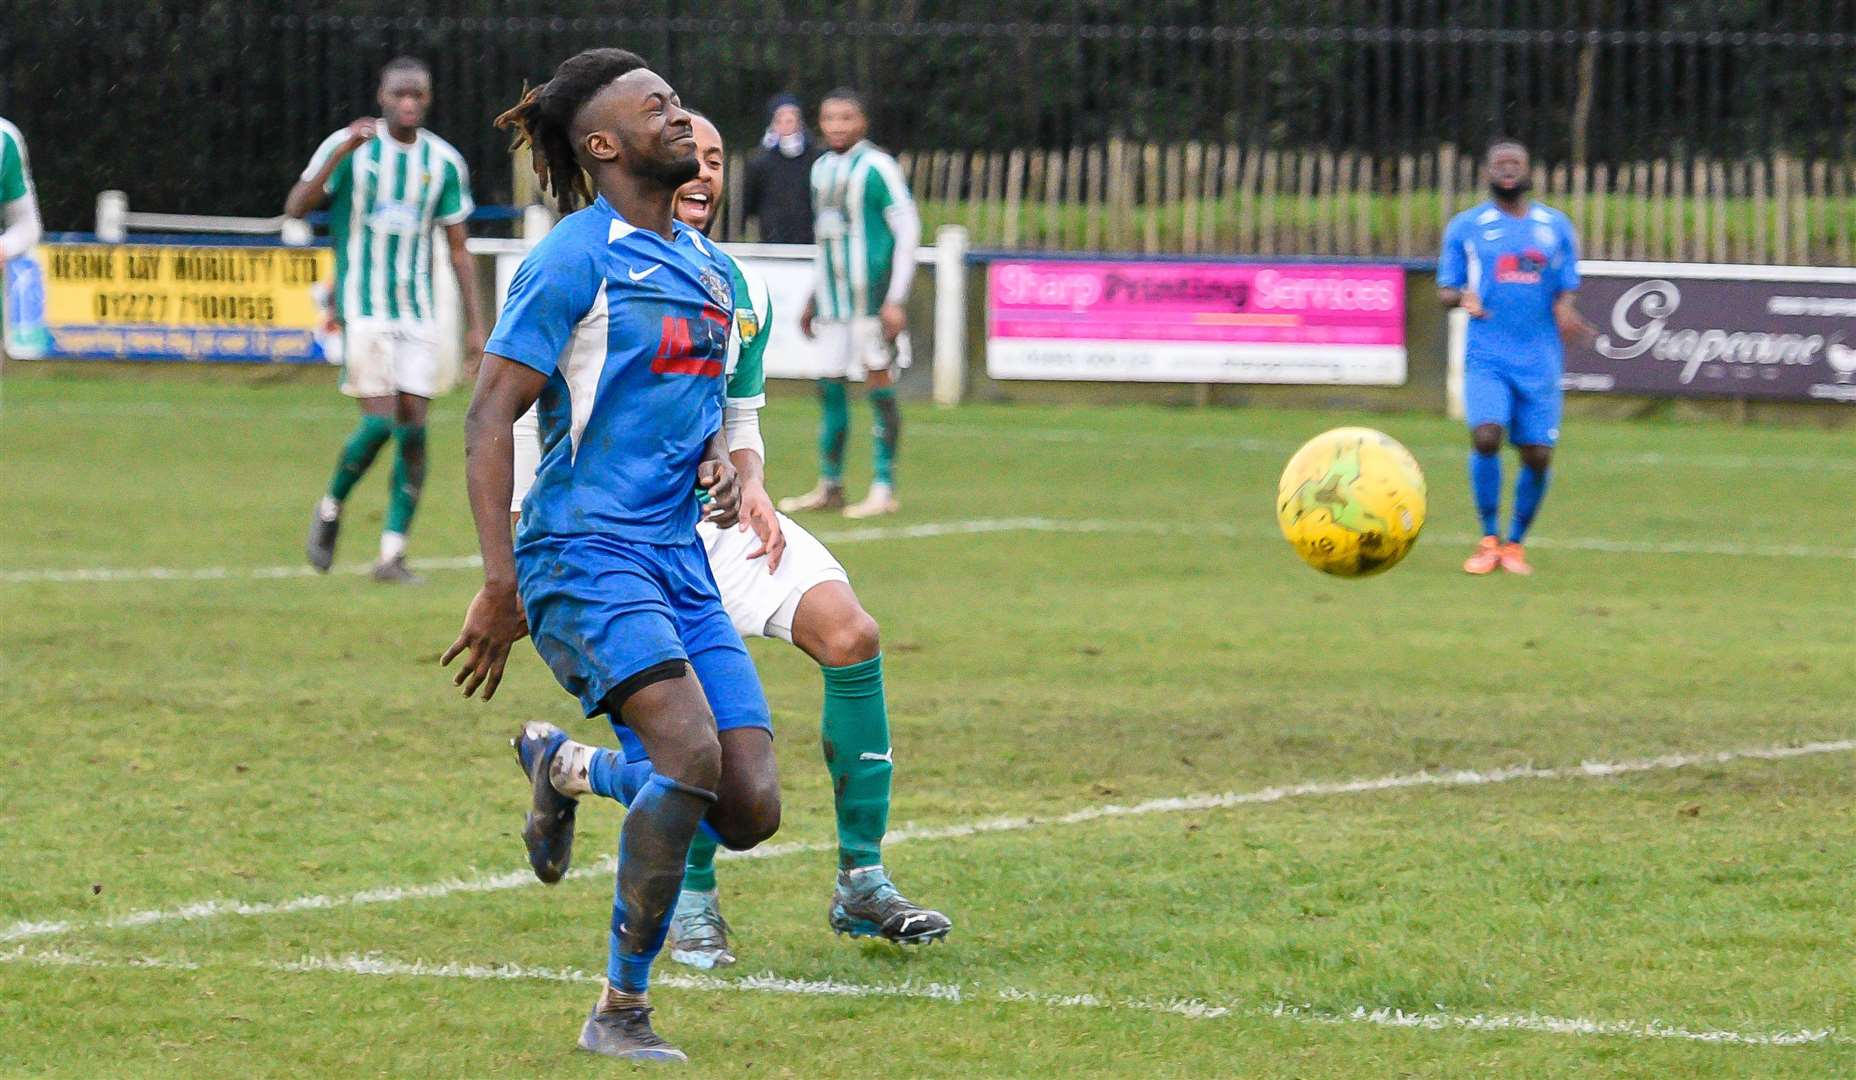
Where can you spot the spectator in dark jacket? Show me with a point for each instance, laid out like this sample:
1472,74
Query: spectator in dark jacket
779,176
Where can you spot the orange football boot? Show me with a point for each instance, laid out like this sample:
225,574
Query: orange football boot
1514,559
1487,559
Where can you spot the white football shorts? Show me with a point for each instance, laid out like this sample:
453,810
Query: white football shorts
761,604
384,357
849,348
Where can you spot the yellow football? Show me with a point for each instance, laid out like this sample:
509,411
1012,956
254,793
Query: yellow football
1351,502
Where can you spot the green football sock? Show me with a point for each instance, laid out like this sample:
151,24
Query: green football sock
888,433
856,736
699,869
408,476
834,424
358,453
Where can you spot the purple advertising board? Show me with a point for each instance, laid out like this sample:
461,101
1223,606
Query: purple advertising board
1196,322
1772,333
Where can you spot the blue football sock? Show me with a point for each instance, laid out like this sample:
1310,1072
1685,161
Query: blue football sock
1485,483
1529,489
609,774
652,847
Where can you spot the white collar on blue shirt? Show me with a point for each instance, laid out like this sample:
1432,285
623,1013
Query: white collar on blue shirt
621,228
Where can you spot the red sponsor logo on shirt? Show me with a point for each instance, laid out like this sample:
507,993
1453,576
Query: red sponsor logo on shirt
1520,269
698,347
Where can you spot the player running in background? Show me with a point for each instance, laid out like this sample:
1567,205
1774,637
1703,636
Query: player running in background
19,206
1513,265
387,182
867,231
799,593
617,323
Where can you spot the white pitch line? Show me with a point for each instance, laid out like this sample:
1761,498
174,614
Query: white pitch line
933,529
393,894
1586,457
1443,1020
213,573
377,966
926,530
215,412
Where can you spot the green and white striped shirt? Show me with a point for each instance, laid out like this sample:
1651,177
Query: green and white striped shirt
747,340
854,195
15,177
386,198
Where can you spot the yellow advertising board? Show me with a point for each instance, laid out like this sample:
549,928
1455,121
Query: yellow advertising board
235,303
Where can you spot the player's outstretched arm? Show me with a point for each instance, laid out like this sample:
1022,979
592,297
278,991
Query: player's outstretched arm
505,390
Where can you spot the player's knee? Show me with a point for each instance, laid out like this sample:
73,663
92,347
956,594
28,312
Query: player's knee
1486,438
753,817
693,756
851,639
1537,457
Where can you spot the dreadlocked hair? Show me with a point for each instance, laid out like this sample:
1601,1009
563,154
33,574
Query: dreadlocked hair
543,120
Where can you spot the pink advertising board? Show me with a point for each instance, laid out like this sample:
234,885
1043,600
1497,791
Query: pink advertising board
1308,323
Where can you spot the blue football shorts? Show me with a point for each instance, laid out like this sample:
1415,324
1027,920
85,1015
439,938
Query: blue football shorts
601,610
1527,407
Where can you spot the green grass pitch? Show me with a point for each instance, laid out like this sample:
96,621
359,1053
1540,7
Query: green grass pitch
247,828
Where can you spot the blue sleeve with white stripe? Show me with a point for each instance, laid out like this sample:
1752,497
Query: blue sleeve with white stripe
550,293
1452,263
1569,256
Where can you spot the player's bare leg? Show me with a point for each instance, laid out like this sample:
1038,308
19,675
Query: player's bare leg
671,718
833,628
749,812
358,453
1485,482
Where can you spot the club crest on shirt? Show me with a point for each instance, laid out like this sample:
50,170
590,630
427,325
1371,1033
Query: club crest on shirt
747,324
718,288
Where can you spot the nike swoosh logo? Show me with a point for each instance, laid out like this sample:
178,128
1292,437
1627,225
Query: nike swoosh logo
641,275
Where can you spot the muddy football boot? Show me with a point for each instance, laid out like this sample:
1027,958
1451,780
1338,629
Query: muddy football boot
626,1034
548,830
865,904
698,933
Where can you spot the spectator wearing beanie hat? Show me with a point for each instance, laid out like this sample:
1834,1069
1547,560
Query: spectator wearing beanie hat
779,176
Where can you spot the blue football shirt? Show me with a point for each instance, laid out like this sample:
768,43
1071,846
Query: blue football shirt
632,331
1517,266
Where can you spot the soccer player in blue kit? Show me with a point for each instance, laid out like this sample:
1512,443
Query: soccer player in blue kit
1513,265
617,323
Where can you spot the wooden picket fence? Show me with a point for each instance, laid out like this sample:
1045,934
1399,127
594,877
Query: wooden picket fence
1228,198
